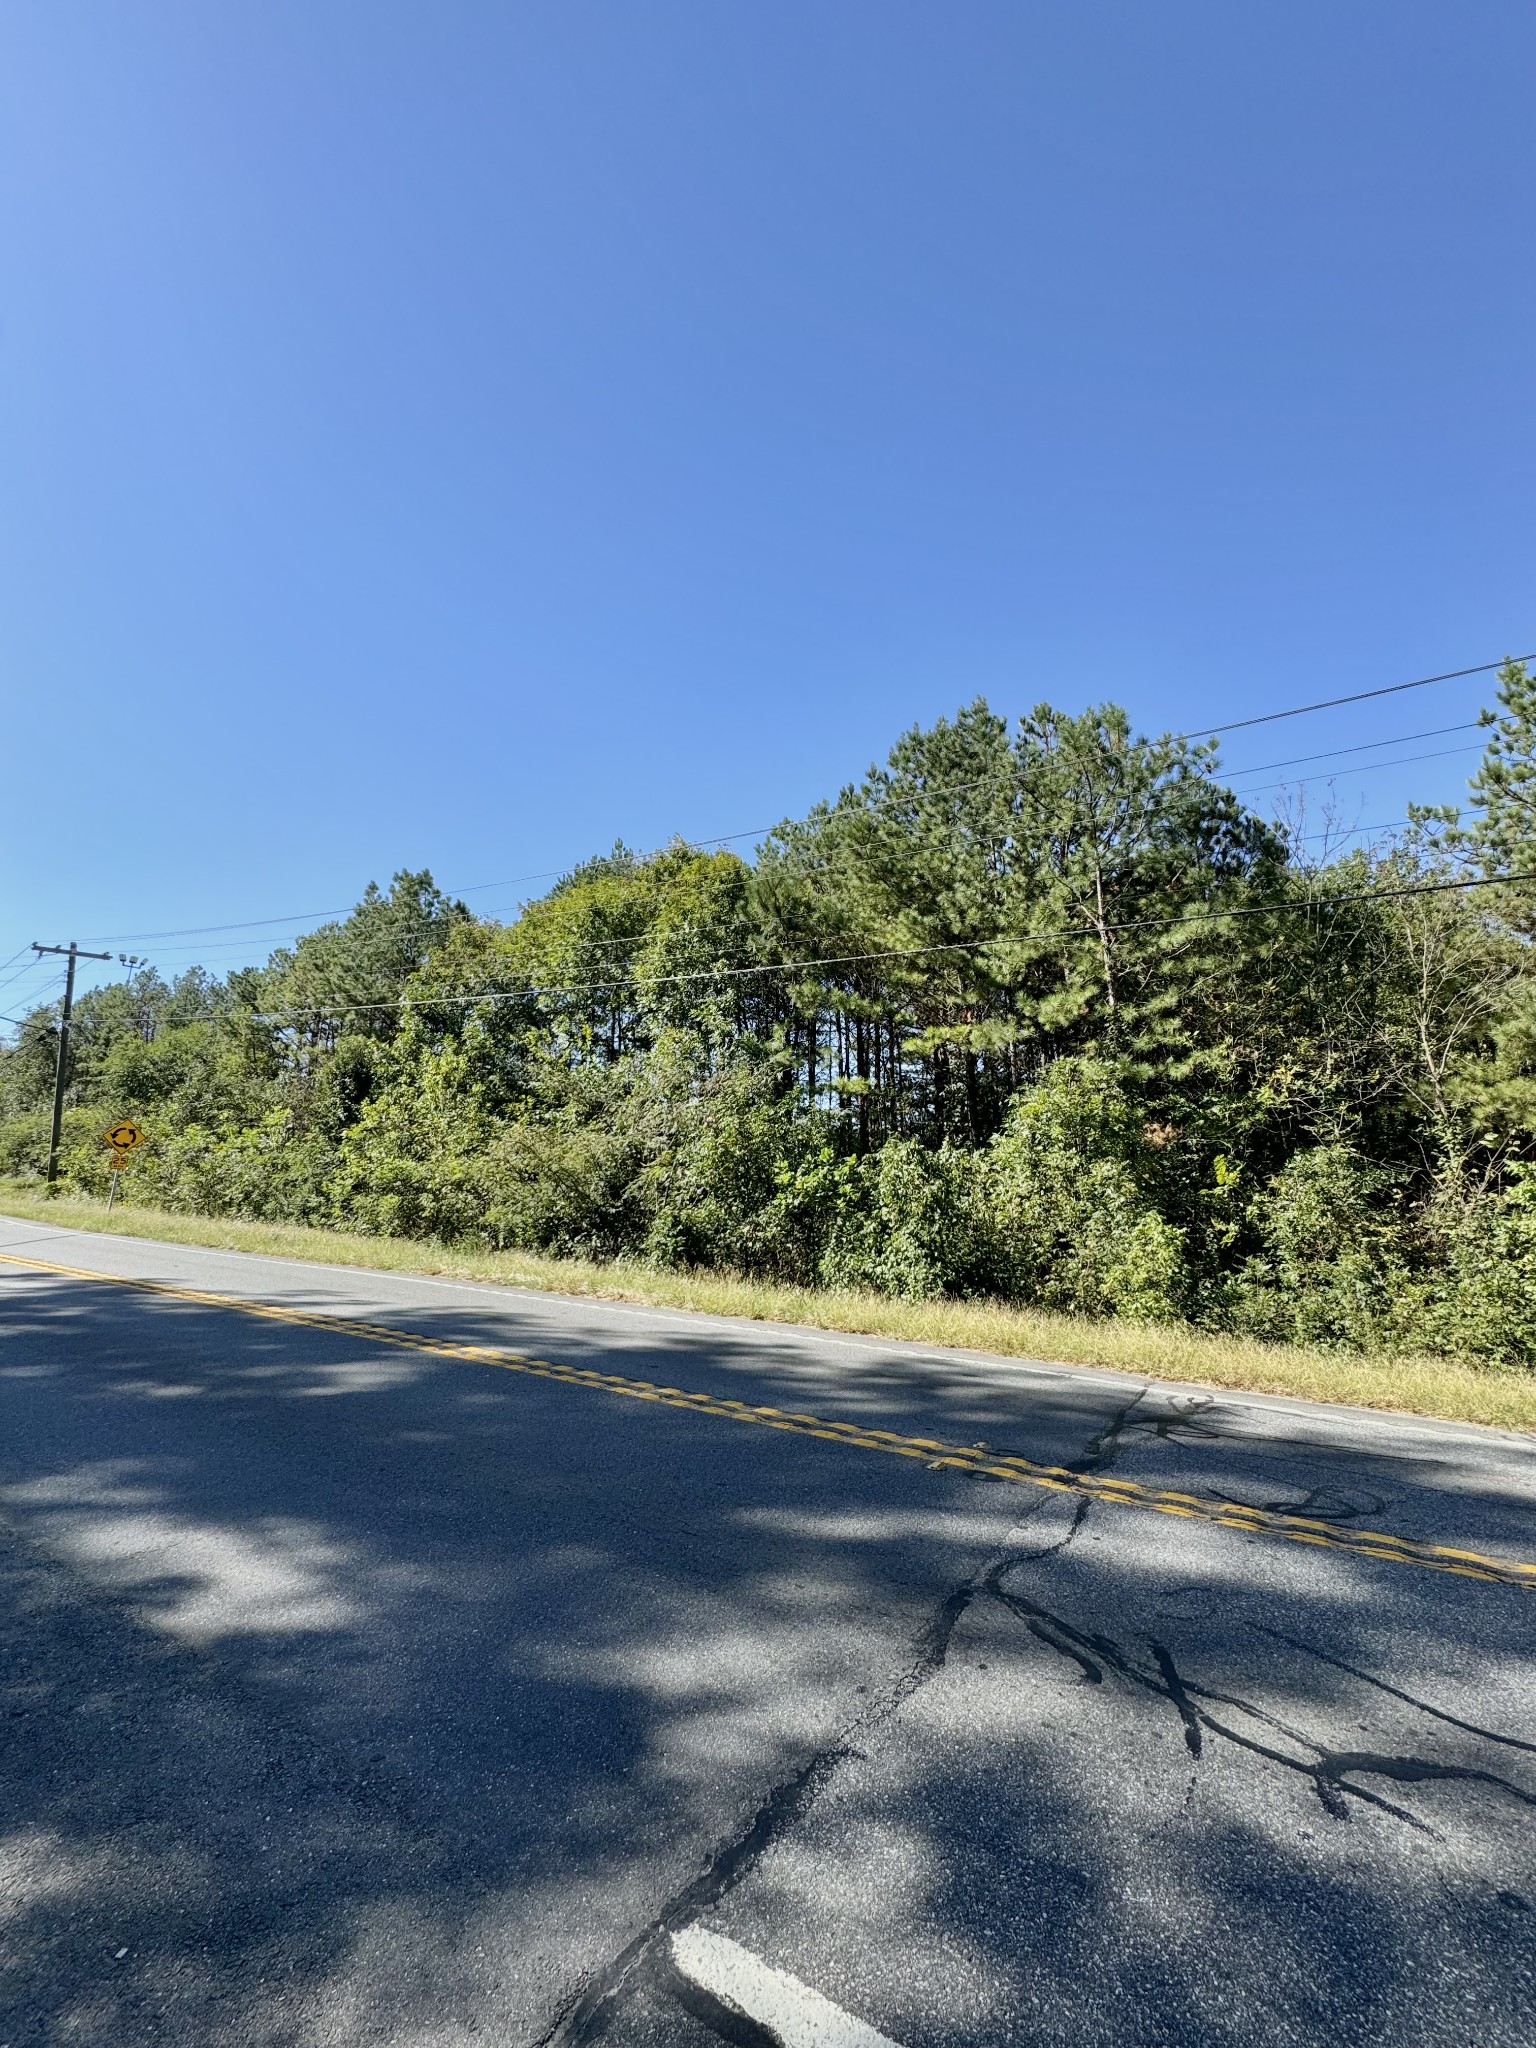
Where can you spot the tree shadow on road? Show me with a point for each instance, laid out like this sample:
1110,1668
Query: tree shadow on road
356,1693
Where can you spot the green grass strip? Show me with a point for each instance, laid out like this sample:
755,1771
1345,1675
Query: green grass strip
1410,1385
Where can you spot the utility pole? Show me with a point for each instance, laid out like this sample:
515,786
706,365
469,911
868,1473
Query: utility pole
61,1073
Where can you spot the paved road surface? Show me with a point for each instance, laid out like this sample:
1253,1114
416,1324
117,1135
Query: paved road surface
359,1690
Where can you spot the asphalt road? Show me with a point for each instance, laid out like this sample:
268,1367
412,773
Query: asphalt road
359,1690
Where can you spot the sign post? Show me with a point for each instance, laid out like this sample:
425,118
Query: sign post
123,1138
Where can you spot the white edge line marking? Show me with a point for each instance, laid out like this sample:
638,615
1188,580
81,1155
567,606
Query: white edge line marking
799,2016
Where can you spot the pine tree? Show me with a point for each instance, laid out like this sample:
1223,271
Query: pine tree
1504,788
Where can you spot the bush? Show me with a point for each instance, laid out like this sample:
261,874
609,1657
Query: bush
24,1145
570,1189
1481,1302
268,1171
909,1222
1333,1269
737,1182
412,1163
1072,1183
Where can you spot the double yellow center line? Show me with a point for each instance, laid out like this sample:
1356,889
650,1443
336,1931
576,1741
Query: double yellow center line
932,1452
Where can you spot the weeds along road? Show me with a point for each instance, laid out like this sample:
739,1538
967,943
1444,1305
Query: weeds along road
387,1661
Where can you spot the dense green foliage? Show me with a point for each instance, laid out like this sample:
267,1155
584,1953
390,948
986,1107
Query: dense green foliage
1042,1013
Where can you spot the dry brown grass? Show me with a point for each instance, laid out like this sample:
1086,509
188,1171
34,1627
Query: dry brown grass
1409,1385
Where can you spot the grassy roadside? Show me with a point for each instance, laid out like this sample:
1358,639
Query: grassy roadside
1409,1385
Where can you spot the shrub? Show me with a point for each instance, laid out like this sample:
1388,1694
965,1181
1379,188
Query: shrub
1333,1269
1481,1299
1072,1181
267,1170
909,1222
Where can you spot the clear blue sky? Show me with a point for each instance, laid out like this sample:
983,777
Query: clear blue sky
464,432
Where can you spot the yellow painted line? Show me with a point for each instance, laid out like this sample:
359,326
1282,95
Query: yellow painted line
1112,1492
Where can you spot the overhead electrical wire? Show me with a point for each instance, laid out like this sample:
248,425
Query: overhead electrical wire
19,1022
12,979
1326,832
929,793
1402,739
601,945
1264,718
757,831
1364,768
1242,724
41,996
1332,753
1351,832
12,963
1081,931
1451,675
45,967
188,931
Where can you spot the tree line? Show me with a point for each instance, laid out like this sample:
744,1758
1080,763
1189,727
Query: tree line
1039,1010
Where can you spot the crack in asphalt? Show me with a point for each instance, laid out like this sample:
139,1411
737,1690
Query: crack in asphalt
1319,1503
1104,1448
1080,1512
1189,1714
1331,1772
644,1960
588,2019
1396,1692
727,2021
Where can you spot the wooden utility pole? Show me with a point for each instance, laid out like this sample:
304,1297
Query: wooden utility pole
61,1072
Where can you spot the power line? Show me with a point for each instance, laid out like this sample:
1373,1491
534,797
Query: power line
50,987
1081,931
191,931
1270,718
34,965
759,831
14,978
791,966
25,968
1355,697
606,945
1403,739
927,793
1365,768
31,967
1400,739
